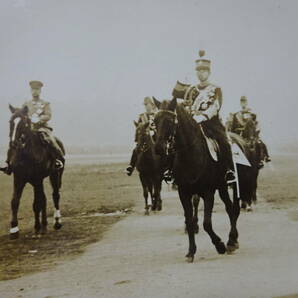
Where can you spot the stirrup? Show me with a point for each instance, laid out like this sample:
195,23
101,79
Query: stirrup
232,177
59,164
6,168
129,170
168,176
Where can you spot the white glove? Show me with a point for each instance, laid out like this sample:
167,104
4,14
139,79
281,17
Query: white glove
35,119
200,118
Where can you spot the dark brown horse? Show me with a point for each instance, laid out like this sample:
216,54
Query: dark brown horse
31,163
149,166
195,172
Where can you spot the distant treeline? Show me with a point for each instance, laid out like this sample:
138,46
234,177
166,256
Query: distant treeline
125,149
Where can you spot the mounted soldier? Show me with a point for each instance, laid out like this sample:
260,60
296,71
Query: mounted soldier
239,122
146,117
204,101
39,112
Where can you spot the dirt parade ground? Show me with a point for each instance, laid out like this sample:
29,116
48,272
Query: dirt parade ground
143,256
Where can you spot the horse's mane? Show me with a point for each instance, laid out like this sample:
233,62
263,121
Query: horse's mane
184,117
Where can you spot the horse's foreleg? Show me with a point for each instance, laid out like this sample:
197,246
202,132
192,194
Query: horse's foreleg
15,202
186,201
209,203
39,207
233,235
55,179
145,193
157,191
196,201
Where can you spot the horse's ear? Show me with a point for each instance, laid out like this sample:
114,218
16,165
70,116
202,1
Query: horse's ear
156,102
173,104
25,110
135,123
12,109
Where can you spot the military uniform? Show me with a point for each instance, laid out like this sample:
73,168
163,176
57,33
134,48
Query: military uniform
240,120
39,111
238,124
143,119
204,101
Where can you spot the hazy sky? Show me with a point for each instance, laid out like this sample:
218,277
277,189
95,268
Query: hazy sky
98,59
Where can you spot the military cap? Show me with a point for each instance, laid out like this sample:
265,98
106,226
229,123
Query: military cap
35,84
202,63
243,98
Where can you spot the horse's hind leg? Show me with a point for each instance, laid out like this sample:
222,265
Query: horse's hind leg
233,235
209,203
55,179
19,185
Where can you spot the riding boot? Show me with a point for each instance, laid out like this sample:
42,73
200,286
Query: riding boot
216,130
7,168
134,157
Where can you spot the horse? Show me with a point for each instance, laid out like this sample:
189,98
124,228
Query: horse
195,173
149,166
32,162
248,176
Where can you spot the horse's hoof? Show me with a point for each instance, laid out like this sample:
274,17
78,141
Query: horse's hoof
146,212
249,209
231,249
196,230
43,231
221,248
189,258
14,236
57,226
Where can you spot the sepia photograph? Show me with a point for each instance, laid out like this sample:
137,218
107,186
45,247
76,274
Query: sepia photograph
148,149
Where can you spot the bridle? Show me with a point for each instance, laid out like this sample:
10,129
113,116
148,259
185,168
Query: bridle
20,141
144,146
171,138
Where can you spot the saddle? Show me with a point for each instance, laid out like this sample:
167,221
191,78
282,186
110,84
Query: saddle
236,146
212,146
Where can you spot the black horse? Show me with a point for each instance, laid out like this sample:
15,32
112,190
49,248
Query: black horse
195,172
31,163
149,166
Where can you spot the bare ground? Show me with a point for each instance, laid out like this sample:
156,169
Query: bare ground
143,256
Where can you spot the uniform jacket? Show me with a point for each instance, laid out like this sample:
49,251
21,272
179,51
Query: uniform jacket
40,108
206,100
240,119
